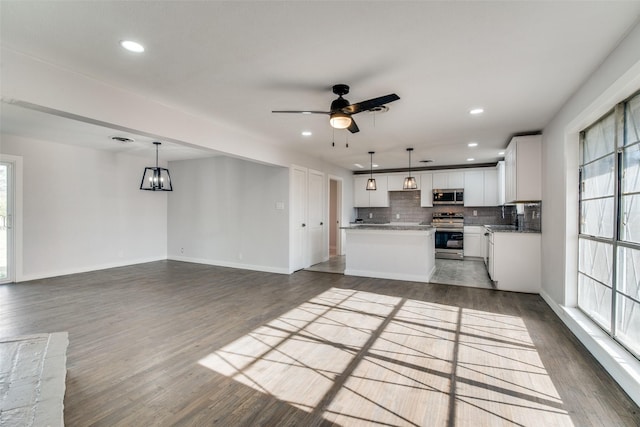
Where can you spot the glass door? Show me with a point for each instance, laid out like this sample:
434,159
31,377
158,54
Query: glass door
6,218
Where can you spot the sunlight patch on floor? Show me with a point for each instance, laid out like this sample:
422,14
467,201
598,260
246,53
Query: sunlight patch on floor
363,358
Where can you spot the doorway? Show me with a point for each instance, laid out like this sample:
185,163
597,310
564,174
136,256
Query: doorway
335,217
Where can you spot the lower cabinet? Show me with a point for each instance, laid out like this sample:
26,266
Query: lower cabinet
514,261
473,240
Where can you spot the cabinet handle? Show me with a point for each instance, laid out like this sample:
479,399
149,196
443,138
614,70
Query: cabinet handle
321,223
304,225
486,234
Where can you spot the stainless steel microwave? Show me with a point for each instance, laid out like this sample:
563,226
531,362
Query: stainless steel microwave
448,197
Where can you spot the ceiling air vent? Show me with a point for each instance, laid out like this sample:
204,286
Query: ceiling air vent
122,139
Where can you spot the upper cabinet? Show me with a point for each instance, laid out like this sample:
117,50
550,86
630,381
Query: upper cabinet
474,188
426,195
481,187
360,192
447,180
396,181
523,169
363,198
500,173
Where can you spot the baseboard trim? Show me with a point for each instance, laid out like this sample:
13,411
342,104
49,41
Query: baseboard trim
618,362
390,276
69,271
219,263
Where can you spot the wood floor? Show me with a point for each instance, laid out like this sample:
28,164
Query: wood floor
170,343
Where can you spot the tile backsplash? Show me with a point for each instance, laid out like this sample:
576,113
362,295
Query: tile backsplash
404,206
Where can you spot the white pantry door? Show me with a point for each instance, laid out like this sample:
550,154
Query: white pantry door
298,226
316,216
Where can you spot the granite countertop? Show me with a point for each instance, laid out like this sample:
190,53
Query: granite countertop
509,229
392,226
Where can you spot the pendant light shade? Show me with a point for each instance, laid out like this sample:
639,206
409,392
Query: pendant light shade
156,178
371,183
410,181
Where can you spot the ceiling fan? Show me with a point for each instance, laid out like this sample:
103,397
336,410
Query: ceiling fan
341,110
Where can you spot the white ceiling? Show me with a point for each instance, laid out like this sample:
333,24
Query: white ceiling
238,60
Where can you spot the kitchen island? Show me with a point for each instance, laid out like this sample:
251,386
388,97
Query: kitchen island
390,251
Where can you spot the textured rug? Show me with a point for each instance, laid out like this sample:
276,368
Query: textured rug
32,379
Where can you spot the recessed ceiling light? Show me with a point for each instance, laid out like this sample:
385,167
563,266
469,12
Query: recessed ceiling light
306,112
501,153
476,111
358,165
132,46
472,144
306,133
470,159
374,165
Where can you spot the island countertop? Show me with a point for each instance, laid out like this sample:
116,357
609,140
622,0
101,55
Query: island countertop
389,227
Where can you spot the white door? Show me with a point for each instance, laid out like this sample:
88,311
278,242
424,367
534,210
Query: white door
316,217
335,216
298,218
6,222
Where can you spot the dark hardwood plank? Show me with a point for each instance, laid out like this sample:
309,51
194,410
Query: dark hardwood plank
171,343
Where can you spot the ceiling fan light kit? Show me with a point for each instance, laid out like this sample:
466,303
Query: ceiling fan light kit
341,111
340,120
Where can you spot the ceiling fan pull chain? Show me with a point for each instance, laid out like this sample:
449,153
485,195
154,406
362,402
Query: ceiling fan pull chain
333,137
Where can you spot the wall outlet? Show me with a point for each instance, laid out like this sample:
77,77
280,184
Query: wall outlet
181,250
370,215
475,212
397,216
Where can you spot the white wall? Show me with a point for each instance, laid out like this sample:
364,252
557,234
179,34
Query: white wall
616,79
83,210
56,90
223,212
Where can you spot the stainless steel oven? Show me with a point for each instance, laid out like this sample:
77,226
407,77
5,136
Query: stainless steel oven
449,237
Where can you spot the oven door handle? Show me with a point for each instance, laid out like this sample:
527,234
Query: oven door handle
450,230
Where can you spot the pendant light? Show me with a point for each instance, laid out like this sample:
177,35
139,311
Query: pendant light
371,183
410,181
156,178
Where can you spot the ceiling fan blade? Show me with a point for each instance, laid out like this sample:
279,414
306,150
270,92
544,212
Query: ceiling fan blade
370,103
353,127
301,112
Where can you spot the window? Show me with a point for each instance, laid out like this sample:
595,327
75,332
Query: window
609,239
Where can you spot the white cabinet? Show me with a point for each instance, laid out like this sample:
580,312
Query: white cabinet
426,194
500,173
379,198
363,198
491,187
481,187
473,240
514,261
474,188
396,181
523,169
360,192
448,180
